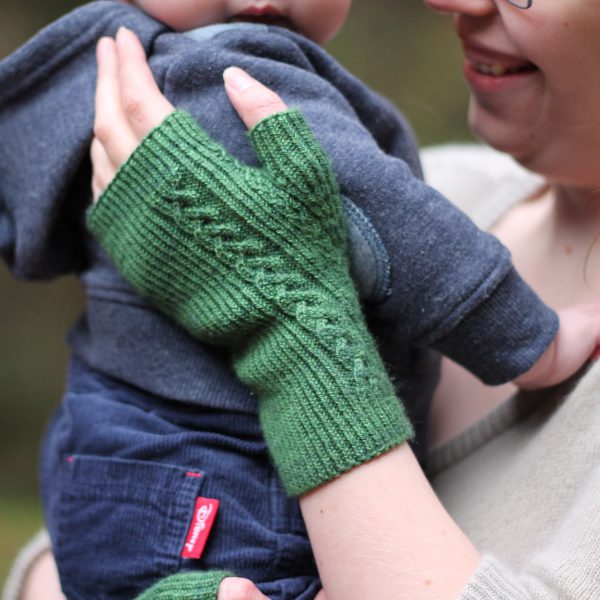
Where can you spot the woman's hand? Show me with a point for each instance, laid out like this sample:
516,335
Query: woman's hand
122,118
129,104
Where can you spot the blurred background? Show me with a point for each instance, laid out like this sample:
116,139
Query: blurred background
397,47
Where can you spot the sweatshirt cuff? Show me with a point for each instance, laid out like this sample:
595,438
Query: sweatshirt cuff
496,353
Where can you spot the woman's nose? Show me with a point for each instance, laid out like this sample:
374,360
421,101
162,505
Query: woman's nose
475,8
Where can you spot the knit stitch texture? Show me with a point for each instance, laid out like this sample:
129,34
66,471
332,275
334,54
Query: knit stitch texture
200,585
255,259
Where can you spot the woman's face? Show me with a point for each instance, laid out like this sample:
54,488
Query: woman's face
535,81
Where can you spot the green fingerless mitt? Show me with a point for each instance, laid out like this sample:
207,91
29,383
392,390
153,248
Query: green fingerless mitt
255,259
191,585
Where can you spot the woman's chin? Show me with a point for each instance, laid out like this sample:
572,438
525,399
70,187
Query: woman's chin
505,136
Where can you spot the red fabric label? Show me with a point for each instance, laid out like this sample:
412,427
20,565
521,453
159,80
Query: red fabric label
202,522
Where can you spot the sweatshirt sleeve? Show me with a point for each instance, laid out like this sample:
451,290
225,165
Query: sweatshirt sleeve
451,286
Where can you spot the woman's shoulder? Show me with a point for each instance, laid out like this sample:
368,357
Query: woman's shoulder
481,181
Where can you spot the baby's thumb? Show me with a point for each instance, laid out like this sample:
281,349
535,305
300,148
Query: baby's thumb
252,100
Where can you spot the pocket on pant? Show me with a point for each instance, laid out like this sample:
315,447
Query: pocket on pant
121,524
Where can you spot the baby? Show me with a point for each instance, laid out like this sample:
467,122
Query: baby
318,20
154,427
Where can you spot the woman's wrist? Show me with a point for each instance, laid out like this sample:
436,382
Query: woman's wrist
379,531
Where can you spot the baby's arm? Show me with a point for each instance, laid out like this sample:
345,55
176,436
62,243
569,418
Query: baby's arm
577,338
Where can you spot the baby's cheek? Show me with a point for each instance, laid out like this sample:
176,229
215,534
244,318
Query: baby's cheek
184,15
319,20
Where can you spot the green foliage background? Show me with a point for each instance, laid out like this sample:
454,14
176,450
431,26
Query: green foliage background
398,47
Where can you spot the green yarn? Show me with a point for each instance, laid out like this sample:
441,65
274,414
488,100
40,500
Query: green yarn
255,259
191,585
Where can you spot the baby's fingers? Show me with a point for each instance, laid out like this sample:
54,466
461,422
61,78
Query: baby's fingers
576,342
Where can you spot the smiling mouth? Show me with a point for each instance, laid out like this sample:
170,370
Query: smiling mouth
499,70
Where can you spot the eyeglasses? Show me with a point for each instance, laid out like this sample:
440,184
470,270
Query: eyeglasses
521,3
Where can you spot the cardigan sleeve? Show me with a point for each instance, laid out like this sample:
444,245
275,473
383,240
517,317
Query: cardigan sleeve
566,568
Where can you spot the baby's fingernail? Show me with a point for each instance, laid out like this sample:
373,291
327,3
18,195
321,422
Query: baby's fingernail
237,79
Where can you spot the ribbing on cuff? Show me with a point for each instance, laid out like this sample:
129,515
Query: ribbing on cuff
492,580
309,452
495,353
322,413
190,585
297,329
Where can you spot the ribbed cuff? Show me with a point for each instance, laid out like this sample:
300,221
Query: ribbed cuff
492,580
322,412
191,585
495,353
314,443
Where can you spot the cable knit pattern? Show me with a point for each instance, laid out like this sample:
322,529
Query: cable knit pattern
255,259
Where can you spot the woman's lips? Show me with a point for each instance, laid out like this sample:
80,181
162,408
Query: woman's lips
489,70
490,82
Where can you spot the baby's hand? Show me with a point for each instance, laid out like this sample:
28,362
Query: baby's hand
577,340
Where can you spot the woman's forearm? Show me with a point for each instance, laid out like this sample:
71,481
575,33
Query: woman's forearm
379,531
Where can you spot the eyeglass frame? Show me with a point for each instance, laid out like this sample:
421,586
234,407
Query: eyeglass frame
513,3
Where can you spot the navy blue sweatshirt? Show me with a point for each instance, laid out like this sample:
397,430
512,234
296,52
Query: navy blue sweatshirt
428,277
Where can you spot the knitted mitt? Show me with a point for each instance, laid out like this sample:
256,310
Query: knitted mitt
192,585
255,259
